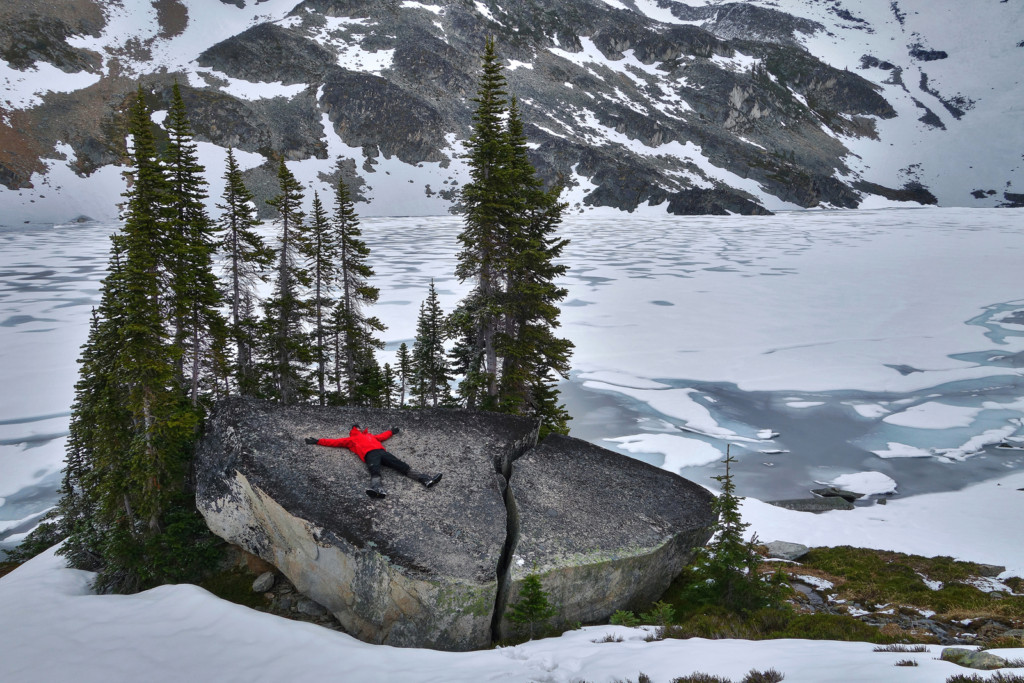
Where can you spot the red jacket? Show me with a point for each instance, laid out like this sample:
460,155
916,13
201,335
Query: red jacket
361,442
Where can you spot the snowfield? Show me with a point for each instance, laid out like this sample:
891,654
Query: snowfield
62,632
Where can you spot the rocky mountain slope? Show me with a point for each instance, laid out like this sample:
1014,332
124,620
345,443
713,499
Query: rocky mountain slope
703,106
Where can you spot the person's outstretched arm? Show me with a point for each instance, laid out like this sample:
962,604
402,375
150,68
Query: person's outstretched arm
384,436
336,443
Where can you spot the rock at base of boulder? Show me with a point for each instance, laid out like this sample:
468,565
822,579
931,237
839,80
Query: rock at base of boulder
263,582
814,504
784,550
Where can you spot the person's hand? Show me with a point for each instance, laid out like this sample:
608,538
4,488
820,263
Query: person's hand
394,431
312,440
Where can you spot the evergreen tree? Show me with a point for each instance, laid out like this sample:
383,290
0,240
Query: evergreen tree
725,570
390,392
200,331
485,200
505,344
355,329
246,259
532,356
429,361
287,346
321,253
125,501
532,609
404,372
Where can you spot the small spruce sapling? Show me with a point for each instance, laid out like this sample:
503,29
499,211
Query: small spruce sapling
624,618
725,572
532,610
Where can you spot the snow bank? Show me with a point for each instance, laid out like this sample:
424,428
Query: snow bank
978,523
57,631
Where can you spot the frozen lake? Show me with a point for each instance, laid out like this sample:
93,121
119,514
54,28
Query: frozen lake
880,348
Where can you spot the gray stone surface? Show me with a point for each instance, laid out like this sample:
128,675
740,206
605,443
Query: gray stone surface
990,570
414,569
263,582
814,504
784,550
833,492
604,532
972,659
433,567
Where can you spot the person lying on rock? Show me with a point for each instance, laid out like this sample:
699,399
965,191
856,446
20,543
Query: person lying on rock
370,450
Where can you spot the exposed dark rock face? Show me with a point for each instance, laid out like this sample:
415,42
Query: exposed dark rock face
718,202
39,33
911,191
1013,200
269,53
433,567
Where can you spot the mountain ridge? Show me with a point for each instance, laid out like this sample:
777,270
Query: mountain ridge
637,105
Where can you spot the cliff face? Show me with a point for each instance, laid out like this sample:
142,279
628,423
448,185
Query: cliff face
436,567
731,107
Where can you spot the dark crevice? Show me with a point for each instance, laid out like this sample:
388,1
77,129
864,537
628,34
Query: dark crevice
504,570
505,561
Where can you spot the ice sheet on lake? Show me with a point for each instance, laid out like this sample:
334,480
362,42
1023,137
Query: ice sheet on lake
676,403
679,451
902,450
934,415
868,483
808,305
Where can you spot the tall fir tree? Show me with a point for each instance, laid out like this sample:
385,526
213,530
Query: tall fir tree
287,348
430,371
127,508
485,201
505,346
321,252
200,331
355,329
533,357
247,258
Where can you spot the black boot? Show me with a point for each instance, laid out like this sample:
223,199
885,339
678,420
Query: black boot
376,488
427,480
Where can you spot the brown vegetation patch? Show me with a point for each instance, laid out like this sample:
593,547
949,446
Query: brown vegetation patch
172,16
19,151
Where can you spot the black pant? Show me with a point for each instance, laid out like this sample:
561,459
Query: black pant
378,457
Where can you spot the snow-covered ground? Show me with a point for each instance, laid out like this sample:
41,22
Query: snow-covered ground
691,333
54,629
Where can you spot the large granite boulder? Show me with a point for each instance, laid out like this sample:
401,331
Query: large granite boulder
435,567
603,531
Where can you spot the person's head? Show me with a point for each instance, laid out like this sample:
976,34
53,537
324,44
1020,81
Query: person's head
355,428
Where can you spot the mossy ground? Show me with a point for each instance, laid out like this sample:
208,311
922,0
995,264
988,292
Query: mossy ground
888,589
874,578
235,585
8,567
